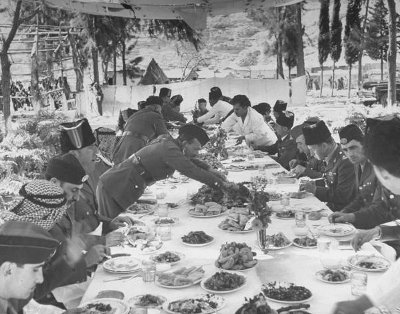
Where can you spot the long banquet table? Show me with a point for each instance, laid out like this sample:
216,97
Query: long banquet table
292,264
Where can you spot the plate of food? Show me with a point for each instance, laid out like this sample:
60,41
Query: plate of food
236,256
333,276
149,244
278,241
168,257
237,223
274,196
183,277
201,304
104,306
208,210
166,221
223,282
285,214
257,304
371,263
305,242
284,292
123,264
337,230
197,238
140,209
148,301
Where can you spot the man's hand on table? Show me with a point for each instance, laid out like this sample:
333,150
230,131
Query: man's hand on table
298,170
96,254
364,236
292,163
339,217
114,238
357,306
121,221
308,186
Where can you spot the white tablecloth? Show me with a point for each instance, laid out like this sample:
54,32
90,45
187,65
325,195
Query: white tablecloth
292,264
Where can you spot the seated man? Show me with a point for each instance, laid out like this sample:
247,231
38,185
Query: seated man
171,110
24,249
287,148
264,109
220,109
338,172
279,107
249,124
382,148
201,108
123,185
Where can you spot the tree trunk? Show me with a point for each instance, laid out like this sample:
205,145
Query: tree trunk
321,80
360,70
381,66
391,57
6,88
105,69
95,59
333,76
123,46
76,63
349,87
279,59
35,91
115,67
300,49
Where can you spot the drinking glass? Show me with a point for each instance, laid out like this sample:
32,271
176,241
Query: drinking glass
164,232
285,201
163,210
300,219
329,253
359,281
148,271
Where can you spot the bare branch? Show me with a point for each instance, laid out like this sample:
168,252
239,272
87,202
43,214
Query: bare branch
14,27
29,17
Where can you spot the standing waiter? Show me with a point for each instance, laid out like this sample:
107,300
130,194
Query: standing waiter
142,127
123,185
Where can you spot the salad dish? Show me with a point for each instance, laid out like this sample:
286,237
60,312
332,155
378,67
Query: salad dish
197,238
202,304
147,301
168,257
209,209
236,256
334,276
284,292
305,242
223,282
181,278
277,241
102,306
237,222
140,209
255,305
285,214
371,263
166,220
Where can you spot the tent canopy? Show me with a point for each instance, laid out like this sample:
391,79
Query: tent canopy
154,75
193,12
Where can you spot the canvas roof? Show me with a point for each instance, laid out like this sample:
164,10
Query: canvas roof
154,75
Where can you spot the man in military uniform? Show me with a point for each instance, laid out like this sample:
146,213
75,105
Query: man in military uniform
279,107
339,189
171,110
220,108
287,148
122,185
165,95
141,128
24,249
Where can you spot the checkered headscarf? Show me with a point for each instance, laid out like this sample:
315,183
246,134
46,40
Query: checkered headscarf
43,204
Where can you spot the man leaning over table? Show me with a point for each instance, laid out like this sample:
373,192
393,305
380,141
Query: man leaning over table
338,171
382,147
220,109
249,124
125,183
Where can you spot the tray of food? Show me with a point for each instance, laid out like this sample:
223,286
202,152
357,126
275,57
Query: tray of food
166,221
197,238
208,210
236,256
370,263
305,242
284,292
102,306
229,198
255,305
278,241
337,230
148,301
202,304
223,282
237,223
333,276
168,257
285,214
183,277
121,265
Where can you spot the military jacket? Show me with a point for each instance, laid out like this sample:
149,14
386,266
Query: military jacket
170,114
339,179
287,150
366,184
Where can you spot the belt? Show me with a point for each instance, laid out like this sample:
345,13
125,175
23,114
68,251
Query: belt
137,135
147,177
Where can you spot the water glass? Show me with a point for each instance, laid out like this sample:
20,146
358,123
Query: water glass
160,194
285,201
164,232
148,271
329,253
300,219
163,210
359,281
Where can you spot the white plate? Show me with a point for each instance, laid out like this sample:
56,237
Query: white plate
215,298
342,230
202,285
238,231
275,248
157,245
355,259
199,245
283,218
304,247
116,265
132,301
178,287
318,275
202,216
240,270
175,219
181,257
120,307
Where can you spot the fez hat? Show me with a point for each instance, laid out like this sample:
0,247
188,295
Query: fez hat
76,135
316,133
195,132
262,108
297,131
350,132
215,93
141,104
176,100
23,242
280,105
66,168
153,100
164,91
372,122
285,118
